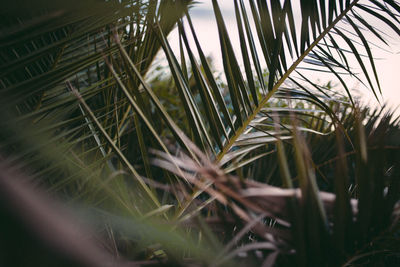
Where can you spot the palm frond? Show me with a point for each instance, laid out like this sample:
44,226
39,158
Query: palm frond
81,103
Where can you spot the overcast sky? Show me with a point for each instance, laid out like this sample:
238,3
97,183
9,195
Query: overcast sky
388,62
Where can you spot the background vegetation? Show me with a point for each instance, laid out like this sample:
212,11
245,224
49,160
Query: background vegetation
183,165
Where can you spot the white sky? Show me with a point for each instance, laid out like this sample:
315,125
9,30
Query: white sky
387,63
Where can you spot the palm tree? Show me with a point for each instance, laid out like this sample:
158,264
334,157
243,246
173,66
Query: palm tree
80,110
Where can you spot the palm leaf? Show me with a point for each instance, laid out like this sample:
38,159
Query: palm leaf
78,78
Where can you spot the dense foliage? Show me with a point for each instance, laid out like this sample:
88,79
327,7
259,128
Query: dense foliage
184,165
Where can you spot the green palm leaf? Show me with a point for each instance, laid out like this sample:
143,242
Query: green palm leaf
80,77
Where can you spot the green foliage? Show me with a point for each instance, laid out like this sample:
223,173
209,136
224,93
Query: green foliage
184,165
